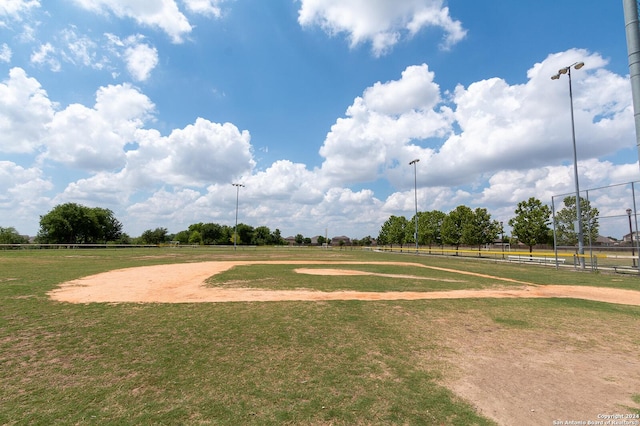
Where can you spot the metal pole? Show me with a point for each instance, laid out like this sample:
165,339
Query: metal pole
632,30
633,253
502,238
635,218
415,186
555,239
592,259
575,173
567,70
235,229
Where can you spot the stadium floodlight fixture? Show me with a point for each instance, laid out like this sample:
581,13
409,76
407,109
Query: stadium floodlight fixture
415,187
235,229
561,71
567,69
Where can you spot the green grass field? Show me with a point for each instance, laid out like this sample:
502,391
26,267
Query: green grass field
338,363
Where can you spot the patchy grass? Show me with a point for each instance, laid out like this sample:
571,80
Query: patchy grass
512,322
343,362
382,278
300,363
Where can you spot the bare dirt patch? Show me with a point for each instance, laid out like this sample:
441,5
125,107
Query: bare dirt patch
329,272
184,283
511,376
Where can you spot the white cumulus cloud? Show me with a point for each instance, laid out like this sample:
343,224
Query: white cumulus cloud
205,7
141,60
380,126
382,23
23,194
199,154
162,14
25,110
93,139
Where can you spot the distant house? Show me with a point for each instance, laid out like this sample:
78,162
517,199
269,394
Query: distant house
605,241
341,240
314,240
290,240
627,238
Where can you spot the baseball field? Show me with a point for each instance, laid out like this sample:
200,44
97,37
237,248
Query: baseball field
311,336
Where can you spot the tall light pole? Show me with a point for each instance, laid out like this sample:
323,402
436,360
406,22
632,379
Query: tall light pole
630,8
415,186
633,240
235,230
502,237
567,70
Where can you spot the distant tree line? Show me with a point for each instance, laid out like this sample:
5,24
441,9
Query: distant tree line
72,223
11,236
215,234
461,226
466,227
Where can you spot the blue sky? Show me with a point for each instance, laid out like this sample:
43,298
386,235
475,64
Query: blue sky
153,109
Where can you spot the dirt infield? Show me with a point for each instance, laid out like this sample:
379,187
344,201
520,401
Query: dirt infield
184,283
509,376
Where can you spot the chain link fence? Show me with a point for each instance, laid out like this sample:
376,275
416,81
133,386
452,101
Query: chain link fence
609,228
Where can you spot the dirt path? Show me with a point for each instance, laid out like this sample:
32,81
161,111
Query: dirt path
509,376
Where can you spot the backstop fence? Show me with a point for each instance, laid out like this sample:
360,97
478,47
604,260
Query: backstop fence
609,228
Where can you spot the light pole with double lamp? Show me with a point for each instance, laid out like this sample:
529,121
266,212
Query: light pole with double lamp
415,188
235,230
561,71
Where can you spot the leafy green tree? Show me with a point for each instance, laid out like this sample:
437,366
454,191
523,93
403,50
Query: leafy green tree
212,233
453,225
321,240
430,227
65,223
11,236
195,227
124,239
182,237
227,234
262,236
531,224
394,231
366,241
77,224
399,230
410,231
299,238
276,237
245,233
195,238
156,236
109,228
566,232
480,229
